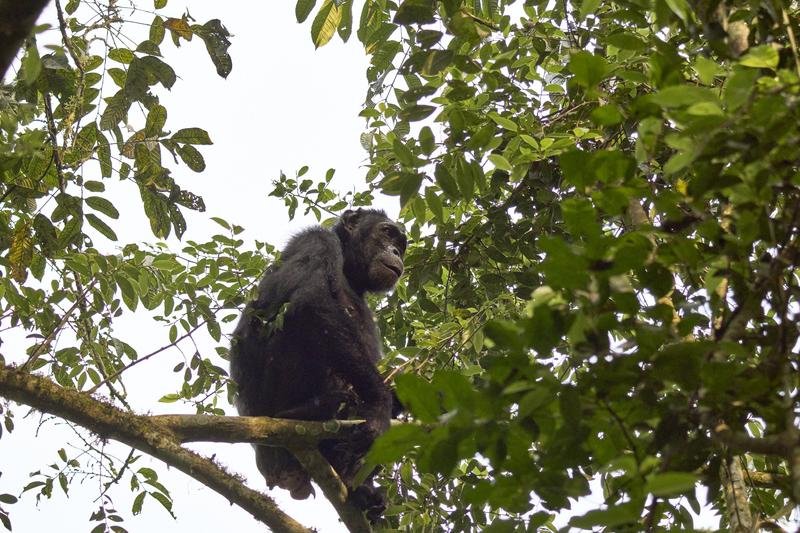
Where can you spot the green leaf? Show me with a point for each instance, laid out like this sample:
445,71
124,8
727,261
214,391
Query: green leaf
128,291
738,87
395,443
409,187
214,330
680,8
157,30
191,136
99,203
764,56
416,12
416,112
670,483
346,23
31,65
403,154
500,162
503,121
504,334
419,396
215,36
434,204
46,234
121,55
606,115
101,226
325,23
706,70
576,168
608,518
682,95
626,41
303,9
162,72
588,7
588,69
156,119
159,4
104,155
426,140
465,180
436,61
72,6
138,502
192,157
530,141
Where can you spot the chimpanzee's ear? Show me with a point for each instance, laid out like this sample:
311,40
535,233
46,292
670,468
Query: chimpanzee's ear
351,218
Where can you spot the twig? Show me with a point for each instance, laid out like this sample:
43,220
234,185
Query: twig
51,129
792,40
39,349
116,374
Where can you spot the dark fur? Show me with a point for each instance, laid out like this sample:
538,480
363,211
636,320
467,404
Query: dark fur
307,347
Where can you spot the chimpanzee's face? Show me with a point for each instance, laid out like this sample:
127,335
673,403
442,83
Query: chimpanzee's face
374,252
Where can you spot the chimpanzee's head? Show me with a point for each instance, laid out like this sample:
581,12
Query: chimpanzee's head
373,247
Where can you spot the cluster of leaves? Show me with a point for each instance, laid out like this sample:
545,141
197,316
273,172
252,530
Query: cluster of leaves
85,88
79,124
603,200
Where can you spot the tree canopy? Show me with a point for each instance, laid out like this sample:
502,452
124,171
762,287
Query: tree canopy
601,297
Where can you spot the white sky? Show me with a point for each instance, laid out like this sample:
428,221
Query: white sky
283,106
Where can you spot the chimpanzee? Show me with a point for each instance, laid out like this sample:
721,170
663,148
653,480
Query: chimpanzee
307,347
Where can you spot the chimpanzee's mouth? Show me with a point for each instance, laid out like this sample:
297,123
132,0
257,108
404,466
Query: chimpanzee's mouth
394,268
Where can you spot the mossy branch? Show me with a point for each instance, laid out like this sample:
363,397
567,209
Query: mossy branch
162,436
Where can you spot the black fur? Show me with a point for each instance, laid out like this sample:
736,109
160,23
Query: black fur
307,347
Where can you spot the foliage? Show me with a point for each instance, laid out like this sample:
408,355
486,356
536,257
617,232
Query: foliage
603,200
80,125
603,204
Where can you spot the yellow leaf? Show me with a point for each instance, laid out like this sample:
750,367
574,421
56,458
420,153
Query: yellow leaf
325,23
21,250
179,26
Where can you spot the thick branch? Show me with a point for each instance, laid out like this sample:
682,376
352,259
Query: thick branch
17,18
295,434
736,498
334,490
141,433
738,442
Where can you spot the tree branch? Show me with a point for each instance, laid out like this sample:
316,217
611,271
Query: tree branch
738,442
16,21
295,434
335,491
736,498
143,434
